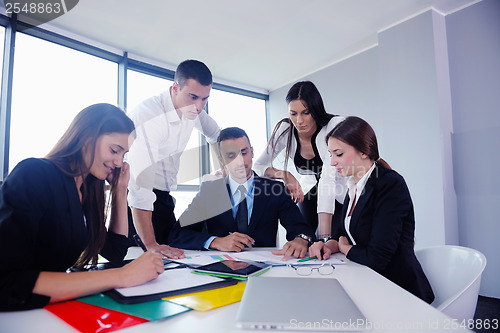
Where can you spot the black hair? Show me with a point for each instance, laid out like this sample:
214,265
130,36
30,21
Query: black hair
193,69
306,92
231,133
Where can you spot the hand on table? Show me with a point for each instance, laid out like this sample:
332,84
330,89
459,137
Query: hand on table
296,248
166,251
235,242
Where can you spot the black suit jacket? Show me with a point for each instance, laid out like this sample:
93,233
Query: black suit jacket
210,214
383,226
41,229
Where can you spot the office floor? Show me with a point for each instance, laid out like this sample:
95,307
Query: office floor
487,310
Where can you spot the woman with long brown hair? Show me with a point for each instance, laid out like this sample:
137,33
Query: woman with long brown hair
302,138
52,216
377,224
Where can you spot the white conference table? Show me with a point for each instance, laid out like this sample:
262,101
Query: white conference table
387,307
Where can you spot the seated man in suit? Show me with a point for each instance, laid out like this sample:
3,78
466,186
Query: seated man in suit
241,209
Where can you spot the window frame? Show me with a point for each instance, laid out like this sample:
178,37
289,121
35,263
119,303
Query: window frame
123,61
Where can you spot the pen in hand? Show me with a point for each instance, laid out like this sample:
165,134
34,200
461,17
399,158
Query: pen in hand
139,242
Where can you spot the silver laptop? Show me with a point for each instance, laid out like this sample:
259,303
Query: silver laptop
298,303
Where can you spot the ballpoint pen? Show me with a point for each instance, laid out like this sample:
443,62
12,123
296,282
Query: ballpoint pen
139,242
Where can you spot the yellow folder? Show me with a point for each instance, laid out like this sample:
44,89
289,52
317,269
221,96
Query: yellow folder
210,299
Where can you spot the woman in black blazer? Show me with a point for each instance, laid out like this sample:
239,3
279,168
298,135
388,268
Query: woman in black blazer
377,224
52,216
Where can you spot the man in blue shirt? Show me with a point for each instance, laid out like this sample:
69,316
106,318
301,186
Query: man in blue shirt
242,209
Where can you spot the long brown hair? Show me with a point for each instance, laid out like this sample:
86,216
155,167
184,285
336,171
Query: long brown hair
69,156
307,92
357,133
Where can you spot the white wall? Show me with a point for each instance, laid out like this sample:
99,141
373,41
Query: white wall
474,58
406,88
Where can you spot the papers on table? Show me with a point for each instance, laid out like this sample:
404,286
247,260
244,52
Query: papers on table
196,259
205,258
269,258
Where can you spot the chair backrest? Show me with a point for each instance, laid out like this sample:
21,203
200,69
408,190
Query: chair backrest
454,273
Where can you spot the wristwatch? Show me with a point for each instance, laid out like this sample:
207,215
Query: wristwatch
325,239
307,238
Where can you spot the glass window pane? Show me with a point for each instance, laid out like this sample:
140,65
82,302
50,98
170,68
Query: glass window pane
51,84
2,41
142,86
248,113
182,201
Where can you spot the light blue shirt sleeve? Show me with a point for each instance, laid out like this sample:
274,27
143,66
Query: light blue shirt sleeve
208,242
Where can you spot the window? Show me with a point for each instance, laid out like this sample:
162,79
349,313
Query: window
2,40
51,84
248,113
142,86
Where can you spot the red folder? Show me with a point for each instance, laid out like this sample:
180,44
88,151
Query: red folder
88,318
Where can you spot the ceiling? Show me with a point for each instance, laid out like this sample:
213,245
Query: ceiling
254,44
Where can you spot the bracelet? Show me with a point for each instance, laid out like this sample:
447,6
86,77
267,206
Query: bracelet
325,239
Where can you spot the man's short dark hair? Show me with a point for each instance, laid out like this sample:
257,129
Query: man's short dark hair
230,133
193,69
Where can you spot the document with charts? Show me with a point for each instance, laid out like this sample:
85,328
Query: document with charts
268,257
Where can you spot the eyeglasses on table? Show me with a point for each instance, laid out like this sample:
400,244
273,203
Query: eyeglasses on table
305,270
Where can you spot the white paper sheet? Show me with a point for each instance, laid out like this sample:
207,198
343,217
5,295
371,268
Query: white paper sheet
268,257
172,279
205,257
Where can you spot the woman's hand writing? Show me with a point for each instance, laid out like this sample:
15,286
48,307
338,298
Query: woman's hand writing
143,269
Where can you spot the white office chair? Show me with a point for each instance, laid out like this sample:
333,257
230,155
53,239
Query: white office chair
454,273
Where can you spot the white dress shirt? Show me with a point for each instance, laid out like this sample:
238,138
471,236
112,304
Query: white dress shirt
355,191
161,137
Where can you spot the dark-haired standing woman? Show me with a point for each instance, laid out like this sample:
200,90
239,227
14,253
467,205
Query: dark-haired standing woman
52,216
377,224
302,137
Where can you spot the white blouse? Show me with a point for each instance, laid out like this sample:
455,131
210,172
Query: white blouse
355,191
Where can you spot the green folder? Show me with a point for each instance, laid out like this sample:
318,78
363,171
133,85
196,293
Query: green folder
151,310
